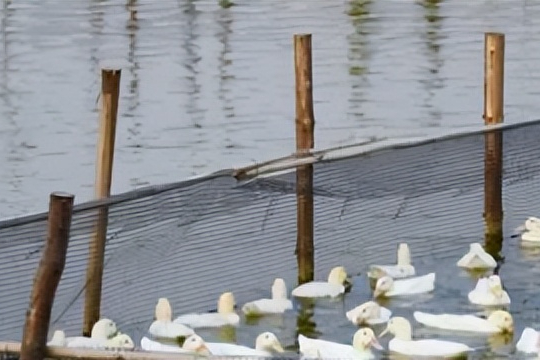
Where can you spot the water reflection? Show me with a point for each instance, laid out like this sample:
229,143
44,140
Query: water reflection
191,62
432,81
304,321
225,20
227,334
133,101
10,126
358,55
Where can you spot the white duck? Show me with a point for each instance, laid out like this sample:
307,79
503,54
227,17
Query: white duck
122,341
530,231
402,269
278,304
477,258
369,313
363,340
58,339
499,321
266,344
489,292
195,344
151,345
404,344
529,342
386,286
225,315
103,330
163,327
331,288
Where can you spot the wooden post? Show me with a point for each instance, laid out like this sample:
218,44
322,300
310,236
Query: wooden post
305,124
493,114
47,277
110,90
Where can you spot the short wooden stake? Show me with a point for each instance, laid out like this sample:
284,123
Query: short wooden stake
110,91
49,272
493,166
305,124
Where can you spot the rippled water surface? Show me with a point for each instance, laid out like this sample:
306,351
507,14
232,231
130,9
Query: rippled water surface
205,87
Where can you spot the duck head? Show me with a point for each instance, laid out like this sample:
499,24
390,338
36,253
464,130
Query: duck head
104,329
383,285
399,327
196,344
268,341
364,339
503,320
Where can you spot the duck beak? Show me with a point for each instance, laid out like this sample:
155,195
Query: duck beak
385,331
375,343
377,293
203,350
278,348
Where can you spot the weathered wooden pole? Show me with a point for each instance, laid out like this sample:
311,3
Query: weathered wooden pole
49,272
493,114
110,91
305,125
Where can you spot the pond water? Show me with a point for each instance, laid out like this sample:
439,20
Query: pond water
325,318
204,87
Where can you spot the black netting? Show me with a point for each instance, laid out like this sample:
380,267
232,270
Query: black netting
192,240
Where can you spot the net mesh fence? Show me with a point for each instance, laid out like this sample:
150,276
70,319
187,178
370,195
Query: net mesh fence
192,240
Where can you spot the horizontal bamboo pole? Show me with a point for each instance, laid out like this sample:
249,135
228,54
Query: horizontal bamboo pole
56,352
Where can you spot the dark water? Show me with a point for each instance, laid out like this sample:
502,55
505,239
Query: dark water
205,87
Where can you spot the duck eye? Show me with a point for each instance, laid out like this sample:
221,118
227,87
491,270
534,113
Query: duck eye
267,336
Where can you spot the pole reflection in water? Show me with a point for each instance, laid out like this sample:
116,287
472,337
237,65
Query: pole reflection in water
227,334
304,320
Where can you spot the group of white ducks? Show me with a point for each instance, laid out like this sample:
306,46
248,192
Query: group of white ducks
391,281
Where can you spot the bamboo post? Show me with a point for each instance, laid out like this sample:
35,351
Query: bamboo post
47,277
110,90
305,124
493,114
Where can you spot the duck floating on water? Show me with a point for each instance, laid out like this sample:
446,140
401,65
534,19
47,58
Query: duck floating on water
489,292
369,313
225,315
477,258
402,269
163,326
529,341
386,286
403,343
530,231
266,344
278,304
334,287
104,335
363,340
499,321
